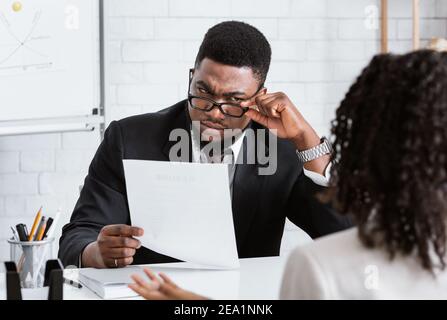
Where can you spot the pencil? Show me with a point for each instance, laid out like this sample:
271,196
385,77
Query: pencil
41,229
35,224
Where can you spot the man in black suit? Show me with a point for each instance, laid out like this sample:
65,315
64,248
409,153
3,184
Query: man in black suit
226,91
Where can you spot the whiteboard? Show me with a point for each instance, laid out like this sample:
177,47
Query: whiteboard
49,58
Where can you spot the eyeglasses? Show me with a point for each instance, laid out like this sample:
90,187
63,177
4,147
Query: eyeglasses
226,108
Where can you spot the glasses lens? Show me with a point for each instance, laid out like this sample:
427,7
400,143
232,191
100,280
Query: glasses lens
232,110
201,104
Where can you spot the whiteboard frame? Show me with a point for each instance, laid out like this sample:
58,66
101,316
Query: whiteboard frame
68,124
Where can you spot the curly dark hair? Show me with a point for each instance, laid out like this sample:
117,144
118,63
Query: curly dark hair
390,155
238,44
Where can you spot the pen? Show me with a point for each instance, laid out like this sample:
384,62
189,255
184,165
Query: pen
73,283
35,224
26,231
49,223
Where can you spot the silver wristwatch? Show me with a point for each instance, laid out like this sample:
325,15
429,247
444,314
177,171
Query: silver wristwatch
323,148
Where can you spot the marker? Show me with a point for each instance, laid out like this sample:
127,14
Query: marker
21,232
49,223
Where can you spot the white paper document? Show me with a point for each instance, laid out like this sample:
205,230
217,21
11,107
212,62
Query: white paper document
184,209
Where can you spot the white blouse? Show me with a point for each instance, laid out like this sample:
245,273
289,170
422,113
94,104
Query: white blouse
339,266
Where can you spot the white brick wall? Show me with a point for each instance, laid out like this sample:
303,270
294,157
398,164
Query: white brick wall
137,8
199,8
41,170
9,162
130,28
321,44
319,47
36,161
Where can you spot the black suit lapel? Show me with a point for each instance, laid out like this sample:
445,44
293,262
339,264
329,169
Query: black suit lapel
183,122
248,187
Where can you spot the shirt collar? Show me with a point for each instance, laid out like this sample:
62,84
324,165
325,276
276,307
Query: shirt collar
235,147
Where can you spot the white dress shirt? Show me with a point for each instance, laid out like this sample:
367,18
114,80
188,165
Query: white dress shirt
200,157
339,266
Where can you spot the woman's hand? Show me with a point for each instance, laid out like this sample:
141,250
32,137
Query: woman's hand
160,289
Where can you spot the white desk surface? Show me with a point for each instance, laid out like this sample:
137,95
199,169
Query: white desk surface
257,278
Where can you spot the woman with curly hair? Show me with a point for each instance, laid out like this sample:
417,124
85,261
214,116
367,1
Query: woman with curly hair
389,173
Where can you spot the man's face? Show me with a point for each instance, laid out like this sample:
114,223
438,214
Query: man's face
221,83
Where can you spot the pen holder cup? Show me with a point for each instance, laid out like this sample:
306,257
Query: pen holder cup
30,258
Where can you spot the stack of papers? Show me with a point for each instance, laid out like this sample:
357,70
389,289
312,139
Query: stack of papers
184,209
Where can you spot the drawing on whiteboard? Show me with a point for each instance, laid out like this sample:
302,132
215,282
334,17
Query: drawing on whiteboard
49,59
25,41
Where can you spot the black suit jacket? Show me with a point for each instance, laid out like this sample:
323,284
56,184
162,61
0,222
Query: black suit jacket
260,202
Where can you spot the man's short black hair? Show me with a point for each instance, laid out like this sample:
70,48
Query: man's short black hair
237,44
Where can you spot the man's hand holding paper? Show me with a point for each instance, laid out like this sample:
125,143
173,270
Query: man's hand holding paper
115,246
